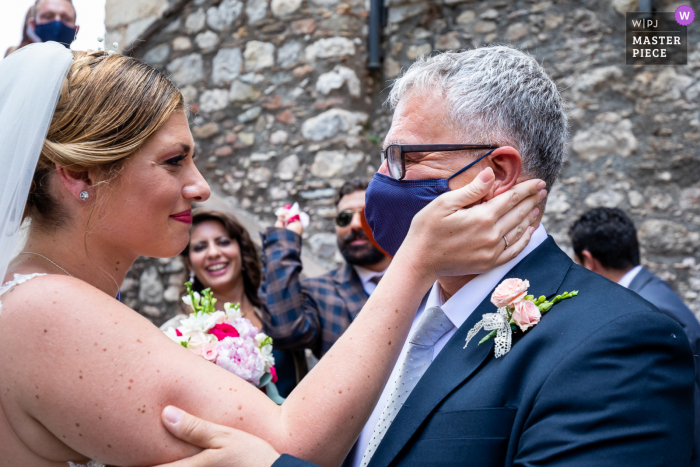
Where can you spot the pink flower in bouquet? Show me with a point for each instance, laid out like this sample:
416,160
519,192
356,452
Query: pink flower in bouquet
210,352
224,330
509,292
273,372
241,357
245,328
526,314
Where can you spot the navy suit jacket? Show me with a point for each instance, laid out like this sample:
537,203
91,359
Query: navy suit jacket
660,294
604,379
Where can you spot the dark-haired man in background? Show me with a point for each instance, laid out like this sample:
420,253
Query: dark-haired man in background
313,313
605,242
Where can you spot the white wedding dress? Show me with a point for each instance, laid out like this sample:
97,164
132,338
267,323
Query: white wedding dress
20,279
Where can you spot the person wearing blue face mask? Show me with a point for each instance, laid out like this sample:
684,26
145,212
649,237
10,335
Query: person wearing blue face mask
49,20
603,378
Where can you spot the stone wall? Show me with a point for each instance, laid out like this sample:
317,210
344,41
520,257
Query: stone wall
283,109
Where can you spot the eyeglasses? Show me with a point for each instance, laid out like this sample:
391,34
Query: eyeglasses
344,217
395,154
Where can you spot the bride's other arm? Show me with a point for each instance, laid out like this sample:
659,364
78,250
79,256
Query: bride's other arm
94,375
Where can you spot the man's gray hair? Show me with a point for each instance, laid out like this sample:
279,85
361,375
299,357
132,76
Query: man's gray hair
497,95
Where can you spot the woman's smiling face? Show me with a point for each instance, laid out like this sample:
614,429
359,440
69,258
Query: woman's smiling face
214,256
146,208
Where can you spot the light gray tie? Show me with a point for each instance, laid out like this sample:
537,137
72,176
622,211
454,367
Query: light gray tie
432,326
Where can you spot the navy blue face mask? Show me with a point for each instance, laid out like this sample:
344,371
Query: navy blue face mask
56,31
391,204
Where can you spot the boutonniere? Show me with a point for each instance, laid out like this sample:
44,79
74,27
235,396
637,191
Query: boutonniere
516,309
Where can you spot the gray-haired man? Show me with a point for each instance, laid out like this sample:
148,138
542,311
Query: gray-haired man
601,379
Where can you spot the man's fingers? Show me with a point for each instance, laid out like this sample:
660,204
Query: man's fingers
189,428
471,193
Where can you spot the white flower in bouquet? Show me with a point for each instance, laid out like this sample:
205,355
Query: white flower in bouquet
241,357
172,334
233,311
188,300
264,343
201,322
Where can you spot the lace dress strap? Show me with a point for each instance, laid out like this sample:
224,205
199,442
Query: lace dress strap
19,279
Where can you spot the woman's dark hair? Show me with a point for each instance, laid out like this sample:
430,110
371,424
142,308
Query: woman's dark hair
250,262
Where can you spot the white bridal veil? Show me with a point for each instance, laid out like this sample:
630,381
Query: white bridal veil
30,84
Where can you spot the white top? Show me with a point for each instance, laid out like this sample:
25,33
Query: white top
629,276
366,276
458,308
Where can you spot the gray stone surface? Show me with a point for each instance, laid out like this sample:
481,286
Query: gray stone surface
250,115
221,17
213,100
288,167
187,70
289,54
282,8
242,92
259,55
256,10
195,21
331,47
226,65
207,40
158,54
150,287
332,123
335,79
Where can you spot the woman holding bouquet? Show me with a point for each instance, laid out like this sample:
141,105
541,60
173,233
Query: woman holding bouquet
222,257
98,153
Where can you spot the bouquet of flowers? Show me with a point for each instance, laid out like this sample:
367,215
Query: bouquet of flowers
227,339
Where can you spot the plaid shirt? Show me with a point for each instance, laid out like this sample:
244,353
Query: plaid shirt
305,313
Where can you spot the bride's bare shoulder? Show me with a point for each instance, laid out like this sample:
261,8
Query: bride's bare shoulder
54,296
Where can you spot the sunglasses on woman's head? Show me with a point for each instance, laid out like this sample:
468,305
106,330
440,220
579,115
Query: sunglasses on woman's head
344,217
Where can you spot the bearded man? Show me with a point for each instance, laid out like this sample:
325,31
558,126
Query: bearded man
313,313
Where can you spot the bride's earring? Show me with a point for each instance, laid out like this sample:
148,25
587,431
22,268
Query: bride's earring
192,277
84,195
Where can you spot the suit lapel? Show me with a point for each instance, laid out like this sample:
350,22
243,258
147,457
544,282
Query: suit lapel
545,269
349,287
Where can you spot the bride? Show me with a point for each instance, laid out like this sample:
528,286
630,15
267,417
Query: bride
97,153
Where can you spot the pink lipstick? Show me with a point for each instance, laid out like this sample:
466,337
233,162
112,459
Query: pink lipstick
184,216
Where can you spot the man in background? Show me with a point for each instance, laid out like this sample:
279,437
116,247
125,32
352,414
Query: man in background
605,242
49,20
313,313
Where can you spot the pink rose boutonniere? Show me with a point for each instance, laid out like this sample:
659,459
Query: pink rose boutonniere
516,309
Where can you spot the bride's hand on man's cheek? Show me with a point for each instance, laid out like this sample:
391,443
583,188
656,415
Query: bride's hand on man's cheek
223,446
448,240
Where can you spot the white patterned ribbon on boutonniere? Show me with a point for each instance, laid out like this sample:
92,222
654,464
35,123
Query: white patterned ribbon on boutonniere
500,322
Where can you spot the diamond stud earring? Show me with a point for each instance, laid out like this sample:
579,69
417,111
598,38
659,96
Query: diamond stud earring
192,276
84,195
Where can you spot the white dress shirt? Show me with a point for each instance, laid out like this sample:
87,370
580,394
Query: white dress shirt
458,308
366,277
629,276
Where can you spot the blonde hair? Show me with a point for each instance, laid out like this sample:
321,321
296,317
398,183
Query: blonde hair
109,106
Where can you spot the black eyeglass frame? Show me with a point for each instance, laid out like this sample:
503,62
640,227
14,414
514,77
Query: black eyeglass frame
406,148
352,214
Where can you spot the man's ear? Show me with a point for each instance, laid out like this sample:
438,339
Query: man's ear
507,166
75,182
590,263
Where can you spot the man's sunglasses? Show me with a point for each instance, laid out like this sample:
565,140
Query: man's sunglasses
395,154
344,217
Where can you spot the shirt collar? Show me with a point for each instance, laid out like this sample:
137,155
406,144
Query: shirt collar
461,305
627,279
365,274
